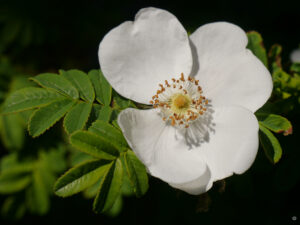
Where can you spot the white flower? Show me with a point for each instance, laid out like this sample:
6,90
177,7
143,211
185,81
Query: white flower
295,55
202,127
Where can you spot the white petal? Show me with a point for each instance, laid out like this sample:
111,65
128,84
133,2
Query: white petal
198,186
233,142
295,56
164,151
136,56
229,73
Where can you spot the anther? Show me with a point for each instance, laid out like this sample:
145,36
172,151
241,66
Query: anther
167,84
182,77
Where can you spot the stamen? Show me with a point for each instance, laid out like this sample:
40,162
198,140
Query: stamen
180,104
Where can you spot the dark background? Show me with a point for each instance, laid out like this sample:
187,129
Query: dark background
66,34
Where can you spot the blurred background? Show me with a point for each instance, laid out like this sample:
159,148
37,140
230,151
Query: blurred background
44,36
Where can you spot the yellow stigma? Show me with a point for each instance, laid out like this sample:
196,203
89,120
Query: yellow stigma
180,102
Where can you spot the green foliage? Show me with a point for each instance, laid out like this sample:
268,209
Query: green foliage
274,57
29,181
275,123
94,145
56,82
110,186
11,182
270,144
108,132
255,44
43,118
295,67
29,98
105,113
82,83
136,173
286,90
77,117
102,177
102,88
80,177
12,131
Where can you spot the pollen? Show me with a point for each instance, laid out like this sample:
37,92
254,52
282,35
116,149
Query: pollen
180,103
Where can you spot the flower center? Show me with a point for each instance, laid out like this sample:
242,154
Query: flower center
180,102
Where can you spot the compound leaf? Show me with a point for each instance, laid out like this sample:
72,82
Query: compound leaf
82,82
45,117
275,123
270,144
109,132
77,117
94,145
28,98
110,187
56,82
81,177
136,172
102,87
255,44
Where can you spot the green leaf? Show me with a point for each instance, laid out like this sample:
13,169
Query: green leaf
109,188
295,67
274,57
275,123
10,164
92,191
13,207
102,87
121,103
94,145
12,131
56,82
81,177
270,144
94,114
78,157
286,82
28,98
116,209
45,117
54,159
109,132
105,113
82,82
19,83
116,125
255,44
77,117
136,172
39,194
13,182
